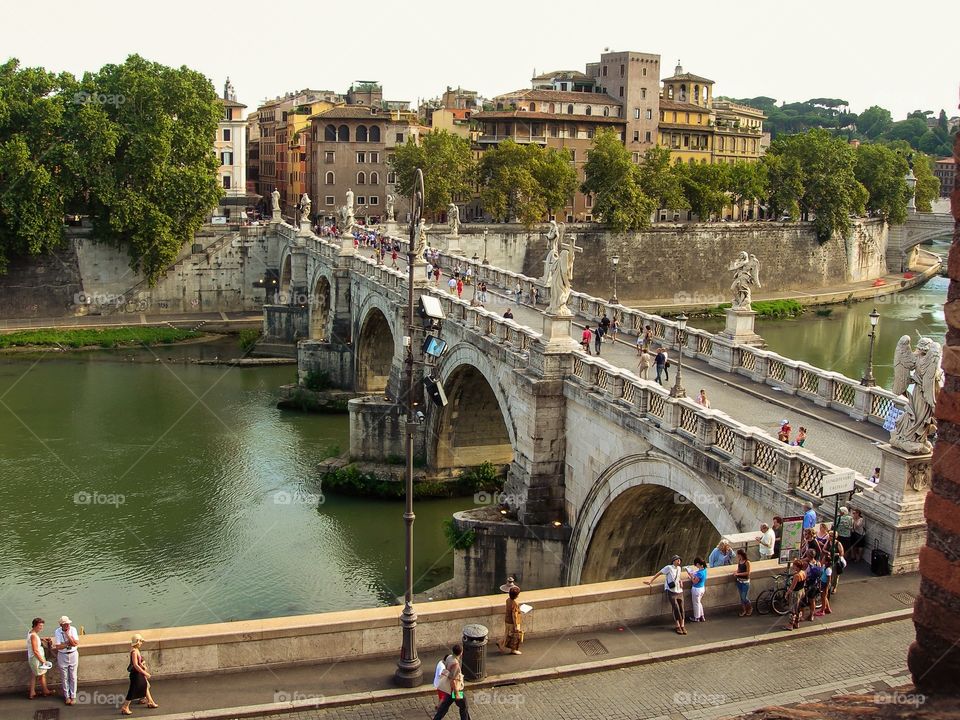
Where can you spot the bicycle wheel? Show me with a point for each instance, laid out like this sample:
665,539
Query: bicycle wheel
764,602
780,603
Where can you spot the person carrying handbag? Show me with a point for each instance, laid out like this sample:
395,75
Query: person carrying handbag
673,588
450,685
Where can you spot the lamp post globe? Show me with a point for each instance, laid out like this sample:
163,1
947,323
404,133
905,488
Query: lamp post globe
868,380
616,261
677,390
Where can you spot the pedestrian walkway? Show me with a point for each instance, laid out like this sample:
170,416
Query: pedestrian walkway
637,670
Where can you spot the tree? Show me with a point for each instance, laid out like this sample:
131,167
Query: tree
785,184
704,187
660,181
830,190
746,182
910,130
509,188
928,185
447,163
614,181
874,121
556,176
882,171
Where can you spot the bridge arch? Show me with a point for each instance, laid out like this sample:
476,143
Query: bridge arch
320,305
476,425
376,344
286,277
639,512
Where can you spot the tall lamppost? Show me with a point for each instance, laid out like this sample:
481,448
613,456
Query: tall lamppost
485,261
677,390
867,380
409,673
616,261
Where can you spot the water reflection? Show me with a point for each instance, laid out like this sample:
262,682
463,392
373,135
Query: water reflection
139,493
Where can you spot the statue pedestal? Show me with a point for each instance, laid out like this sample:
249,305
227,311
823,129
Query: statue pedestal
390,228
556,334
453,245
552,355
904,478
739,328
346,245
276,217
305,228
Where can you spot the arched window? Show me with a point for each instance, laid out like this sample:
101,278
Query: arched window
532,107
553,108
329,178
569,109
499,106
374,178
589,110
375,133
670,93
683,93
606,111
330,133
343,133
361,133
361,178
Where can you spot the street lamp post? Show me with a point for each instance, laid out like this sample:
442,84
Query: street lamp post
867,380
616,261
409,672
677,390
485,261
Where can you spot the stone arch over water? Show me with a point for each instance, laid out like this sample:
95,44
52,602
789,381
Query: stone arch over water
375,351
320,308
475,426
642,510
286,278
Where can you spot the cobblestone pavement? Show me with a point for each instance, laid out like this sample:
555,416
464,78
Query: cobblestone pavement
722,684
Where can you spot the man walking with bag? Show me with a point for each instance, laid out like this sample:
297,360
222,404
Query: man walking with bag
450,685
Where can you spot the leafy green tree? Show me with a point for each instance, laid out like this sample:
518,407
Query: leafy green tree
704,187
874,121
785,184
614,180
556,176
910,130
746,182
660,181
448,168
830,189
509,188
882,171
928,185
942,120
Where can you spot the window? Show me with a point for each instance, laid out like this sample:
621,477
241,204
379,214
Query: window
636,136
696,93
647,138
226,134
621,91
361,157
375,133
343,133
649,114
226,158
569,109
636,113
391,178
554,131
330,133
590,132
361,178
228,113
636,157
621,70
644,72
329,200
400,135
589,110
606,111
361,133
686,141
604,70
329,156
226,182
329,178
374,157
374,200
573,155
670,93
589,199
720,142
699,119
361,200
553,107
532,107
588,218
374,178
643,93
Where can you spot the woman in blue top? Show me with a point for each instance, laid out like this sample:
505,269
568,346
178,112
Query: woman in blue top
698,581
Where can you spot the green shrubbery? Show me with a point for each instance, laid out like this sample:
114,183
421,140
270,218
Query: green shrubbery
248,339
92,337
350,480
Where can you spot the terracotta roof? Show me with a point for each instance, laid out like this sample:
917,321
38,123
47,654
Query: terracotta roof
230,103
666,104
360,112
563,75
946,160
561,96
558,117
690,77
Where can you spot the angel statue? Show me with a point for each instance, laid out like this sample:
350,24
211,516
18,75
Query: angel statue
346,219
390,203
559,277
921,367
421,244
746,272
453,215
305,205
554,233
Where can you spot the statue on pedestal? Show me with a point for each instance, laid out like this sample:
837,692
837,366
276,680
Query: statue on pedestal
390,202
305,205
746,272
553,250
559,276
275,202
453,216
421,244
922,368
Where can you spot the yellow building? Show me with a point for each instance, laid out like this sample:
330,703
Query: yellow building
739,130
297,136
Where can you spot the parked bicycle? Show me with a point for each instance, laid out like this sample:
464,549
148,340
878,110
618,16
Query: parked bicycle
774,598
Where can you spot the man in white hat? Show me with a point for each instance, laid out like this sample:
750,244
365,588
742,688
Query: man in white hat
66,641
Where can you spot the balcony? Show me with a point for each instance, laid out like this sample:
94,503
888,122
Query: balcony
519,139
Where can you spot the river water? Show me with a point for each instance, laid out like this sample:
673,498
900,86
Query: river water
840,341
142,491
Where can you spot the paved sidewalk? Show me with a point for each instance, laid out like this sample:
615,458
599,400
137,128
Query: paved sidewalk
764,666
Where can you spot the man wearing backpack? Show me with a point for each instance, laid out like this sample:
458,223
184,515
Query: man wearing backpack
813,586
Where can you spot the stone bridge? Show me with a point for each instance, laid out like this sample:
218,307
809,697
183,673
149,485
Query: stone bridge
607,474
903,240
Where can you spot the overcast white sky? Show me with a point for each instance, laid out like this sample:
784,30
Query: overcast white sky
900,56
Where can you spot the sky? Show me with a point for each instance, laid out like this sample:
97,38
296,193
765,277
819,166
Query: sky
858,50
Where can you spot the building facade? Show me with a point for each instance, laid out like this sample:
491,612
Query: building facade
633,79
946,171
230,147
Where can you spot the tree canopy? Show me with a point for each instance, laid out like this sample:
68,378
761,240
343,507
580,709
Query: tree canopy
447,163
130,145
615,182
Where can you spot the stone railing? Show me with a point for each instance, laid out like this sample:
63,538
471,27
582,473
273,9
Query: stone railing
789,468
509,333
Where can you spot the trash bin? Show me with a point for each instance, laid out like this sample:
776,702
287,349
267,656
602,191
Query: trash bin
475,652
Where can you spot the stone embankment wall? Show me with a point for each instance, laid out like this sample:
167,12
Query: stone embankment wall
43,287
